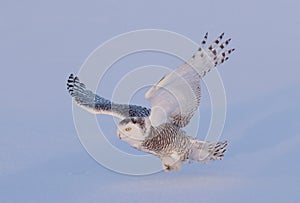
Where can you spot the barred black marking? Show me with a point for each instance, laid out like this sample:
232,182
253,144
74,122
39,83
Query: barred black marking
216,42
204,39
214,52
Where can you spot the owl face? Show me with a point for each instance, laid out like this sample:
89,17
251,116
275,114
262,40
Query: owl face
134,130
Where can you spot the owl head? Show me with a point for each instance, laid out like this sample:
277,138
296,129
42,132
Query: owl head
134,130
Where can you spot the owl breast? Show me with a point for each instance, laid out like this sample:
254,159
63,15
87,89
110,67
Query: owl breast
166,139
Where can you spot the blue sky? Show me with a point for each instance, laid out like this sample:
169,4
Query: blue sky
41,158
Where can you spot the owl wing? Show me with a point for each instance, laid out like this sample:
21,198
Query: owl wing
98,105
176,96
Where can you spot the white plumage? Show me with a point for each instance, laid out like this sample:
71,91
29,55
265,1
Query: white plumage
174,99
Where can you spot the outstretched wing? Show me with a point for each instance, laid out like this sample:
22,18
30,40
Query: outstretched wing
176,96
99,105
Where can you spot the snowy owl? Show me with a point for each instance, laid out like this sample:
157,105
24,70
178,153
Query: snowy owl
174,99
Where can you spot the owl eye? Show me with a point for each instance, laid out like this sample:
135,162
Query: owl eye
128,129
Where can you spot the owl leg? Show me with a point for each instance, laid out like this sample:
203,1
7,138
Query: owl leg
171,162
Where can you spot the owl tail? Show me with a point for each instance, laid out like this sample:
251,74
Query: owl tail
205,151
